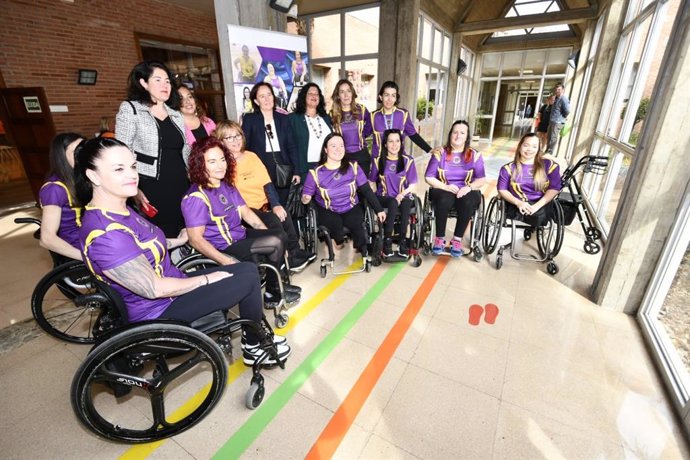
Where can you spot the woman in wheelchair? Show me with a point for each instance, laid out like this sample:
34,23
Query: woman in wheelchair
335,183
455,175
529,184
255,186
213,211
61,213
129,253
395,176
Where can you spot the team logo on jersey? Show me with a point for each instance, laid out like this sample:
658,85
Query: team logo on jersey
337,176
456,160
223,199
392,167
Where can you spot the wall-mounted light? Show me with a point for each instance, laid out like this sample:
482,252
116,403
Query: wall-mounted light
462,66
281,5
87,77
573,58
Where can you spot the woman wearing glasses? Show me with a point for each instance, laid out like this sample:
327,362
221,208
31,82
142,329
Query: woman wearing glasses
267,134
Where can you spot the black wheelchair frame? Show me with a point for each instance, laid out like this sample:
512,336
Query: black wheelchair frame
476,228
415,226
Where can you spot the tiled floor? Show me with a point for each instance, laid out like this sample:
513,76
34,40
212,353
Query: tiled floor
554,377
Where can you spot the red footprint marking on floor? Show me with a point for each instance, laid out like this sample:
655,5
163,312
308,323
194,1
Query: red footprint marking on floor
475,314
491,313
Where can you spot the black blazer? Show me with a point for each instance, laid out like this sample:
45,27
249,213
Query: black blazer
300,131
254,129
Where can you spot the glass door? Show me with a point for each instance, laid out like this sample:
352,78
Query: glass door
665,313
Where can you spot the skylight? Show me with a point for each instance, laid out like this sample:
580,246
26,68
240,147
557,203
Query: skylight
529,7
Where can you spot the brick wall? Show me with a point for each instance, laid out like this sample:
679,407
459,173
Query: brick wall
44,43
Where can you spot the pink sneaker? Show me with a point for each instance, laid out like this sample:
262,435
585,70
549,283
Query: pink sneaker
456,248
439,246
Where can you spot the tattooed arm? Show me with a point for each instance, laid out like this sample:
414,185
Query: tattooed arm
137,276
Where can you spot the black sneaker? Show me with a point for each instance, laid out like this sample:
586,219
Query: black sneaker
387,247
404,248
253,353
277,339
273,299
297,262
292,288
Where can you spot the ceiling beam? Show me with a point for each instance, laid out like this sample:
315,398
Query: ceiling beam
518,45
531,20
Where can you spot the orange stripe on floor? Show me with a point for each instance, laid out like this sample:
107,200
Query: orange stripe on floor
331,437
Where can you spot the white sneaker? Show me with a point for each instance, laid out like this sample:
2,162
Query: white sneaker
253,353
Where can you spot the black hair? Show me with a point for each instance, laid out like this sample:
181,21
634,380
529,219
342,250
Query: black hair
301,103
144,70
85,156
255,90
58,159
344,163
384,152
390,84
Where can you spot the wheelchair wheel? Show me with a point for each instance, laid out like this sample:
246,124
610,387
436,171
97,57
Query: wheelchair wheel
159,367
67,305
591,247
428,226
195,262
417,225
493,224
550,236
254,396
309,231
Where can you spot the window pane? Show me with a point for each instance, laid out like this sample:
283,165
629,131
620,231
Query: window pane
534,62
362,31
446,51
438,44
325,36
326,75
362,74
490,65
674,312
426,40
512,63
557,60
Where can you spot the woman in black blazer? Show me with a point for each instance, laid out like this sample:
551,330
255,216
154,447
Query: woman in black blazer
268,135
310,125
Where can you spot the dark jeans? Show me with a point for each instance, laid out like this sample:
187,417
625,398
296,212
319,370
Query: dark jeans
404,208
465,207
335,223
243,288
541,217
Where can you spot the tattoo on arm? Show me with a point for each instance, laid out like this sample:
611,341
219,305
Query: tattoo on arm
136,276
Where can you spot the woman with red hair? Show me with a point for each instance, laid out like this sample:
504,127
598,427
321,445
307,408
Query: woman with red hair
214,212
455,175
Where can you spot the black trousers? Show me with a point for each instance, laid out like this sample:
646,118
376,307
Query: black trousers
465,207
243,288
404,208
541,217
335,223
287,227
363,158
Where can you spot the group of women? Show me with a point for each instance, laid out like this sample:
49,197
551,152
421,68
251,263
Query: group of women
218,188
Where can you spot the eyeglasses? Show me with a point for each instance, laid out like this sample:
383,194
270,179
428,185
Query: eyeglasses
237,137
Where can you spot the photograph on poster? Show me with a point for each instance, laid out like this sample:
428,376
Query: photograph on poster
276,58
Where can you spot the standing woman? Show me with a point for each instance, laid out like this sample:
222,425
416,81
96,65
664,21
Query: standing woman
395,176
335,184
529,184
61,216
149,124
390,116
299,70
277,84
353,122
268,135
197,125
543,122
455,175
310,125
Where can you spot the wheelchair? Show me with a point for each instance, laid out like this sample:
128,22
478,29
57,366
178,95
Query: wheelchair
549,236
415,226
311,233
476,228
150,380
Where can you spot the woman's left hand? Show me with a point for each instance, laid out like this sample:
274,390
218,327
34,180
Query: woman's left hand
280,212
464,191
382,216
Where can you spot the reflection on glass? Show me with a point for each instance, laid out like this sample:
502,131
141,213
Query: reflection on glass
325,36
674,315
438,44
512,63
490,64
426,39
534,62
557,60
362,31
362,74
446,51
326,75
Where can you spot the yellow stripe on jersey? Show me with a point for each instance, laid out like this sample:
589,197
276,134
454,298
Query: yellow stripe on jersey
77,210
220,222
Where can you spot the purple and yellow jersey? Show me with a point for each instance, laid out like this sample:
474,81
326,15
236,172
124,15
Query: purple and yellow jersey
334,190
109,239
390,182
218,211
454,170
522,187
398,119
356,131
55,193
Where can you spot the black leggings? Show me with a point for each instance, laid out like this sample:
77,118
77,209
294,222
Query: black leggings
335,223
363,158
243,288
272,221
541,217
404,208
258,245
465,207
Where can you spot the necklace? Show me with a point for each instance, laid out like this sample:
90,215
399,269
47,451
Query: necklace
318,121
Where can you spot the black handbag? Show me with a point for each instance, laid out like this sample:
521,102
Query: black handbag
283,171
